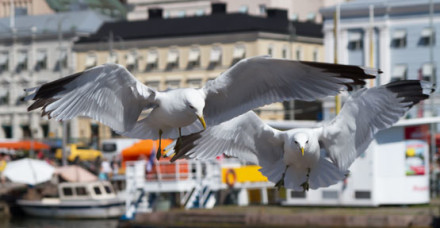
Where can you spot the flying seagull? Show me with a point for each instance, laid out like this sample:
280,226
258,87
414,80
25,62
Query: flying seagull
112,95
294,158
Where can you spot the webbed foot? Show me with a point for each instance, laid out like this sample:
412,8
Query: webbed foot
280,184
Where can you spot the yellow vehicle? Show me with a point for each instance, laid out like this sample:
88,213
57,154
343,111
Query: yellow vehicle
74,152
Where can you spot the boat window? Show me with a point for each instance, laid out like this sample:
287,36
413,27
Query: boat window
67,191
109,147
97,190
81,191
107,189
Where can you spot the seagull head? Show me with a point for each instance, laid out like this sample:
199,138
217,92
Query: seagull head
195,103
301,141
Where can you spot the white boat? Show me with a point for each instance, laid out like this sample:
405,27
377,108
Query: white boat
78,200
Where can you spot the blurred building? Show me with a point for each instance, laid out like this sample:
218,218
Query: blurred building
187,52
296,9
38,49
20,7
394,36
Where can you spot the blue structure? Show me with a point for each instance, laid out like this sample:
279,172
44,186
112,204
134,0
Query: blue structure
399,32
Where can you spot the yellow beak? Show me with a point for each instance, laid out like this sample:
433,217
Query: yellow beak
202,120
302,151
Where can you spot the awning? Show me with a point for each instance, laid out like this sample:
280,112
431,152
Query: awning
3,59
22,58
399,34
239,52
172,84
90,61
399,71
216,54
427,69
172,56
24,145
194,55
427,32
131,59
354,37
74,173
112,58
152,57
194,83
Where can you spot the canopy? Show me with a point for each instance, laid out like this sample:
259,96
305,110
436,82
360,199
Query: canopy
28,171
24,145
74,173
143,147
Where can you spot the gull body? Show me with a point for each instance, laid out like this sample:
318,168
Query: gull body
305,158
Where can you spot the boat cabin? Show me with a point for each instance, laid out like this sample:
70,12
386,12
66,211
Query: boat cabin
86,190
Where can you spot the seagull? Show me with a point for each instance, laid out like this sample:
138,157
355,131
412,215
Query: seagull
305,158
110,94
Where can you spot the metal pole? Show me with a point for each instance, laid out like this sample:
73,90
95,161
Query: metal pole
371,62
432,128
64,133
336,16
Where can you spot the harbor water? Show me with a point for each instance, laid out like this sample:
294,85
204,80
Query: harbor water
33,222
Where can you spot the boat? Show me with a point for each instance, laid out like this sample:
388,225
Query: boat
77,200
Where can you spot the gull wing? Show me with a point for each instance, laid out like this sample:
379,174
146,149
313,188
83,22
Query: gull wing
106,93
245,137
258,81
365,113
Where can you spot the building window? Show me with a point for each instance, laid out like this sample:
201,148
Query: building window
355,41
298,54
194,58
153,84
131,61
399,39
428,71
173,59
329,194
152,60
284,53
181,13
62,60
399,72
4,96
22,61
362,195
215,57
311,16
238,54
262,9
194,83
91,60
294,194
41,60
112,58
243,9
294,17
270,50
200,12
427,36
316,55
4,62
172,84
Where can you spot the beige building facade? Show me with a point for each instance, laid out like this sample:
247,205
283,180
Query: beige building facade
26,7
191,60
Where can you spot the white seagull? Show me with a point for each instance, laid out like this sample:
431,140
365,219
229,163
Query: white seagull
112,95
294,158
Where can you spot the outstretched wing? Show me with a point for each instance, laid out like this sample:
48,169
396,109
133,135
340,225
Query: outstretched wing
365,113
245,137
258,81
106,93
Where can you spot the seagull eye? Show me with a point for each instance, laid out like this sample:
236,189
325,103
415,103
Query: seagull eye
307,141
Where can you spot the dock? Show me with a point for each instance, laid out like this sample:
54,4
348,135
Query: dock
279,216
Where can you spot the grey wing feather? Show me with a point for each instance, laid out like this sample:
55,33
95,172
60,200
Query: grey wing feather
107,93
245,137
258,81
365,113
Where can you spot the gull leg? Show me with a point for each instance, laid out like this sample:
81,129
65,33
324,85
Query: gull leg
159,150
280,183
179,141
306,185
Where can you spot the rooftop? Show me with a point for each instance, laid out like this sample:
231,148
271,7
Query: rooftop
220,23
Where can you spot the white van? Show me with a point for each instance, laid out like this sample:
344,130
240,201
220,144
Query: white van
112,147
